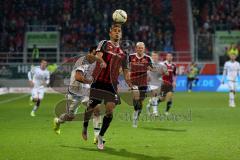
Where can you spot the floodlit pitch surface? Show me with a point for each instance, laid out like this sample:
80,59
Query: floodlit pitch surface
202,127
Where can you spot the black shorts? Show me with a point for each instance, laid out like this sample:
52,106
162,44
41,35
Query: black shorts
143,90
106,92
165,88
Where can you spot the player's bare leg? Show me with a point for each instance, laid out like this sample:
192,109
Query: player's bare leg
106,122
136,105
87,116
97,123
232,98
153,102
148,106
37,102
71,105
169,102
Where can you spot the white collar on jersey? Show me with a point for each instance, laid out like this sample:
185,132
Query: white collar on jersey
138,56
232,61
115,45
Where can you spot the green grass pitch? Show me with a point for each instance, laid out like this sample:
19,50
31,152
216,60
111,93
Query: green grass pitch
205,128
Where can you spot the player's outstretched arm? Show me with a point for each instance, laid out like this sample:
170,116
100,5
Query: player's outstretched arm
126,75
100,60
224,73
79,77
30,79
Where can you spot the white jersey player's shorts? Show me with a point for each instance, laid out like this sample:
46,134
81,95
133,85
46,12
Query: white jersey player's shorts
232,85
38,93
75,100
152,87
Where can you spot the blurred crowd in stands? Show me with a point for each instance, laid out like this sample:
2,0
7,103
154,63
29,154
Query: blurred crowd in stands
84,23
210,16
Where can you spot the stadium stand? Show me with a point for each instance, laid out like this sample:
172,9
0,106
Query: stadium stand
149,21
210,16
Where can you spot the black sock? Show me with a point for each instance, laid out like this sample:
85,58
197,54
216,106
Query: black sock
105,124
135,104
169,105
87,116
159,100
85,124
139,112
139,107
38,103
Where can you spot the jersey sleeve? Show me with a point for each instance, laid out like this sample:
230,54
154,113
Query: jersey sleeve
163,67
224,71
80,68
31,73
150,62
101,46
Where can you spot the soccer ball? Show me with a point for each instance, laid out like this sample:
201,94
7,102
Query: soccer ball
119,16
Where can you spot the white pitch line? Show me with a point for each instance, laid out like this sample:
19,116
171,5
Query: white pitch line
14,99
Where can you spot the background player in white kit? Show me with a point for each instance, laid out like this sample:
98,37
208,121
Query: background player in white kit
78,90
231,71
38,78
155,83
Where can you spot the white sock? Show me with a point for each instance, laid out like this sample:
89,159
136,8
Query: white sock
97,124
148,108
231,97
155,110
35,108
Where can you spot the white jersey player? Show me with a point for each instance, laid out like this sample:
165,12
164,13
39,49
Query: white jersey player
38,78
78,90
231,71
155,83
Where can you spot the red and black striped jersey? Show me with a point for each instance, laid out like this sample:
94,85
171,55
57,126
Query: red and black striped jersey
138,69
115,58
171,68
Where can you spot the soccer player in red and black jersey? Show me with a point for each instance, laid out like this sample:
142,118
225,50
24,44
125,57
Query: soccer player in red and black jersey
104,87
140,63
168,82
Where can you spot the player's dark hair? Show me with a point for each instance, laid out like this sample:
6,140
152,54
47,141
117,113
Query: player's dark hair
92,48
115,25
169,53
43,60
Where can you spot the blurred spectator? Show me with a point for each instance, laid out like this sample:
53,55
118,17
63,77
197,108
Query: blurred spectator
214,15
4,72
83,23
210,16
35,53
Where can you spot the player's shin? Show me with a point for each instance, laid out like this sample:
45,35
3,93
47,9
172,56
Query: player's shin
35,108
148,106
97,123
169,105
106,122
107,118
137,112
232,99
87,116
